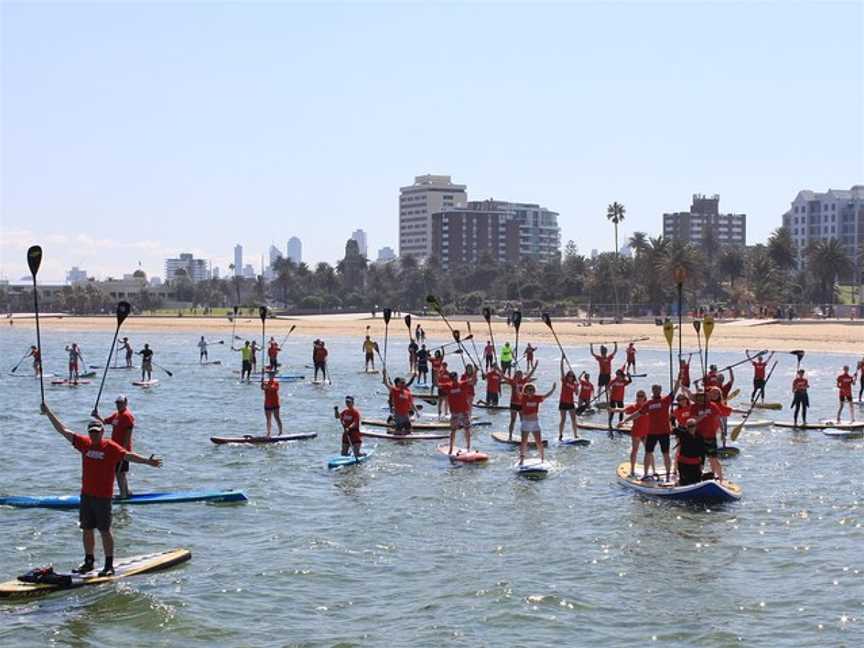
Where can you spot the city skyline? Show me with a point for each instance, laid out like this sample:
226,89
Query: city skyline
155,154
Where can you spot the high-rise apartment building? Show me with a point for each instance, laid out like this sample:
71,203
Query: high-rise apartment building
693,226
835,214
509,232
76,275
428,195
360,236
196,269
275,254
295,249
238,260
385,255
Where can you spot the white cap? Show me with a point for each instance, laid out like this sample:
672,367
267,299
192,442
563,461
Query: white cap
121,398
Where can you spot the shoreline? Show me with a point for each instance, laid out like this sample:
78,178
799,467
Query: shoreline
811,335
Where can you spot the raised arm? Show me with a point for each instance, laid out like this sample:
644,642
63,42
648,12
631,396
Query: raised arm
562,369
58,424
150,461
551,391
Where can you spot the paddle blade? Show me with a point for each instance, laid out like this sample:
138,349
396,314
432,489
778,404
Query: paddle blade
737,431
516,318
547,320
387,315
697,325
456,334
709,326
34,259
468,337
236,308
487,314
123,310
668,331
408,322
262,312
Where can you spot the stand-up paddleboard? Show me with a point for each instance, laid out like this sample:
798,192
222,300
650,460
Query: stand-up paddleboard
31,376
210,363
501,437
431,400
533,468
751,423
342,461
802,426
146,383
844,432
768,406
264,439
118,367
65,502
87,374
728,452
290,378
575,442
403,437
602,427
69,383
491,408
371,372
432,425
462,455
709,490
124,568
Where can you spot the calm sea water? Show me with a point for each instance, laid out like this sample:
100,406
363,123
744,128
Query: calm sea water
408,550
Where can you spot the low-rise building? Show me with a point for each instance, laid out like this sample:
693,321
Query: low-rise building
703,220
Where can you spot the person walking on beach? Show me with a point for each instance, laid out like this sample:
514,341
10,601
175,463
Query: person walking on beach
844,384
531,418
75,361
604,364
759,364
122,423
368,354
202,351
350,419
99,459
146,363
800,397
271,402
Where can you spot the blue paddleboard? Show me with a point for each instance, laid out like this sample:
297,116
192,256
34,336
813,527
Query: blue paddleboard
350,460
177,497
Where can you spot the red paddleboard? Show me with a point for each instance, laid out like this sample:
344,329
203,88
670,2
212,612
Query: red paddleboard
463,455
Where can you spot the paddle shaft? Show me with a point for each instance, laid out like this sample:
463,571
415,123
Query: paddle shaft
491,335
38,334
558,342
18,364
737,431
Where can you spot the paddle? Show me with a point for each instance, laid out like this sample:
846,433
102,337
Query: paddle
487,315
516,318
737,431
24,357
290,331
669,334
473,343
407,320
708,327
234,335
799,356
740,362
548,321
456,336
170,374
387,315
449,344
123,310
34,260
697,324
262,313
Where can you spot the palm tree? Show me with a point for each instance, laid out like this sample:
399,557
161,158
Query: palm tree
731,264
828,261
638,242
781,248
615,213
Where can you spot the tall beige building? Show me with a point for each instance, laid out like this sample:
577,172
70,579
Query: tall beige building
428,195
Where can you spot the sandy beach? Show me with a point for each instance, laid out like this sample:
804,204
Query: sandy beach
811,335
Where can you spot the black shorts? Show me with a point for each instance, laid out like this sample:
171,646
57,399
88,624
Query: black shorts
247,366
801,398
319,365
566,407
652,440
122,466
370,357
711,447
758,383
615,403
846,397
422,368
94,513
689,474
491,398
603,379
505,365
515,407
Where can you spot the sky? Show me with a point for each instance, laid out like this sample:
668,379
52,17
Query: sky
133,132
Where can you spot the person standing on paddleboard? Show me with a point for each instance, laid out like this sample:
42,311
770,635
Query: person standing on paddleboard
122,422
844,383
412,356
656,409
471,376
246,361
517,384
75,360
586,392
146,363
125,346
684,372
759,364
506,359
530,402
422,365
350,420
273,350
368,354
37,360
459,399
271,402
604,364
631,358
800,397
859,371
444,384
401,401
436,362
255,349
488,355
319,359
493,384
202,351
99,458
639,431
707,411
566,403
615,390
529,356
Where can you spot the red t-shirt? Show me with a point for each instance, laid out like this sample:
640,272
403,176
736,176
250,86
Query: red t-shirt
273,350
469,387
271,394
631,353
844,382
435,363
657,411
568,390
458,397
641,425
489,351
711,379
759,369
97,465
123,422
529,354
800,385
350,418
516,386
616,389
585,390
709,425
444,384
684,374
493,382
682,414
605,364
531,405
402,400
319,354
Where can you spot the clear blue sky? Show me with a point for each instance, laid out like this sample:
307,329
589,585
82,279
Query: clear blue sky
135,132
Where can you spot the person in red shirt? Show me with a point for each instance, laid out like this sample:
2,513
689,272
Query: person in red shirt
604,363
800,398
489,355
319,359
586,391
493,385
529,356
436,361
273,350
711,378
530,403
707,411
122,423
759,363
684,372
566,402
271,402
350,420
459,397
471,376
844,383
631,358
517,384
615,392
402,402
656,410
639,431
99,459
37,359
444,384
859,371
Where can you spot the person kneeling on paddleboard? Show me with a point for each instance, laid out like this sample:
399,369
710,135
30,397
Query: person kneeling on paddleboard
402,402
691,454
531,418
99,458
350,419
